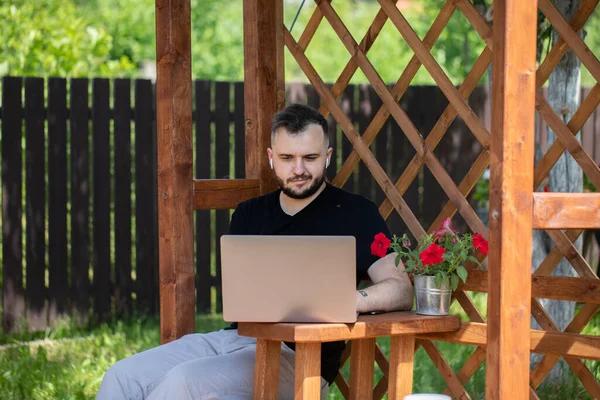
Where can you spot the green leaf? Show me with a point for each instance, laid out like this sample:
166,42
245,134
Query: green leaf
454,281
438,279
397,260
462,272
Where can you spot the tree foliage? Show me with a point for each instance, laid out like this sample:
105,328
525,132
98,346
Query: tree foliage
50,37
115,37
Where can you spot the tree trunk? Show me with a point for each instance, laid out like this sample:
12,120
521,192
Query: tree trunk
566,176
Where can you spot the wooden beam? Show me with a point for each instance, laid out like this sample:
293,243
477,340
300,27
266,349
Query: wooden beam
572,345
545,287
367,326
266,369
512,144
263,55
566,210
174,130
361,369
223,194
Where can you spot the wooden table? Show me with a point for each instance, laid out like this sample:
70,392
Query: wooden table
402,327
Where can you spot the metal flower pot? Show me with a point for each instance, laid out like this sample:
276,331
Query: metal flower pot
432,300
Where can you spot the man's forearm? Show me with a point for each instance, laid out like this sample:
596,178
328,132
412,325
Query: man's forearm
388,295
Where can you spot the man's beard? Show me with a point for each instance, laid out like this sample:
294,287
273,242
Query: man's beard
309,191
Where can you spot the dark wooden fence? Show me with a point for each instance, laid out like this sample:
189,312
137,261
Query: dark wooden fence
79,223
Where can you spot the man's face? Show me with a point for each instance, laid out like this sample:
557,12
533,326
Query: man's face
299,161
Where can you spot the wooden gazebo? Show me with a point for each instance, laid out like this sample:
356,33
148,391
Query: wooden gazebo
506,339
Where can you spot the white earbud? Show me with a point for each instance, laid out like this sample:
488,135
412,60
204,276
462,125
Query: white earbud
271,163
327,163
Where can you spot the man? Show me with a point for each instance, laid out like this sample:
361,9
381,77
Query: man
220,365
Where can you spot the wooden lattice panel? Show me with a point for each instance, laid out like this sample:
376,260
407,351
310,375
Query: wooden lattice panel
457,194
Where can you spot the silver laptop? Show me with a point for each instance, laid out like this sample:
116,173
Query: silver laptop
288,278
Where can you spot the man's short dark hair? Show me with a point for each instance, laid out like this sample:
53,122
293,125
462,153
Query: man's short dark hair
295,118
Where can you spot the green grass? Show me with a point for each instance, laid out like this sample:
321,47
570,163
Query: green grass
68,362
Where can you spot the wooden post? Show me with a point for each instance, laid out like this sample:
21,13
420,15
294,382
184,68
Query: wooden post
174,131
511,204
264,89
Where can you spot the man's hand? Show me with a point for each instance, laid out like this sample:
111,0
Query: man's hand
391,289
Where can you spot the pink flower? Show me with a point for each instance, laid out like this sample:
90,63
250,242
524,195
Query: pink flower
444,230
480,243
380,245
432,254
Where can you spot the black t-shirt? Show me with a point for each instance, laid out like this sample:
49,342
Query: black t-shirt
333,212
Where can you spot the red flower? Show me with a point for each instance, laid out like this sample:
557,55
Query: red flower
480,243
432,255
380,245
444,230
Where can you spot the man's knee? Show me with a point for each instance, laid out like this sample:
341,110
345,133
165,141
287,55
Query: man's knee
117,384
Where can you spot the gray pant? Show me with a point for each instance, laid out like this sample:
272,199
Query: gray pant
217,365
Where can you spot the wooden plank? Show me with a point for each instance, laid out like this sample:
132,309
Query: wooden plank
577,45
426,108
58,290
222,140
311,28
13,294
35,172
362,357
573,345
365,45
175,160
350,131
586,109
596,116
262,20
436,72
470,367
145,264
586,313
555,255
367,326
547,362
401,85
80,200
401,145
340,380
587,130
560,47
122,226
569,141
307,371
402,353
203,217
266,369
444,369
381,389
436,134
223,194
566,210
512,144
571,253
403,120
545,287
101,198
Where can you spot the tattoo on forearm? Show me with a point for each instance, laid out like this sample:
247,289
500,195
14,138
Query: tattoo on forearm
363,293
